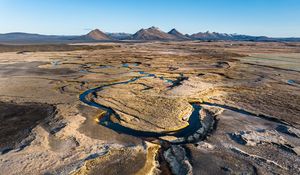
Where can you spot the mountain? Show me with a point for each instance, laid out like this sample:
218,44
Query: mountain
95,35
224,36
178,35
19,37
211,36
152,33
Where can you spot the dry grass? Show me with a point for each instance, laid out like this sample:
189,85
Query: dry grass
50,48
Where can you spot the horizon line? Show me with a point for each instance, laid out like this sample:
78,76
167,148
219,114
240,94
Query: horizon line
37,33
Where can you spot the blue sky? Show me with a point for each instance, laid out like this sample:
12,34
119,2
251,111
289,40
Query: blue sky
279,18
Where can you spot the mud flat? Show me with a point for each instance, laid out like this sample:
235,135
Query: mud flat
17,121
150,108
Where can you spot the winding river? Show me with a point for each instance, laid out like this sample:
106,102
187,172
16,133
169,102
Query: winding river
182,134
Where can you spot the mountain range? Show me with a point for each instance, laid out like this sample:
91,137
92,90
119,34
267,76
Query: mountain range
152,33
149,34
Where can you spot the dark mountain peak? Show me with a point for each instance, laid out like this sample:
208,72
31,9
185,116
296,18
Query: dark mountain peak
153,28
173,31
142,30
178,35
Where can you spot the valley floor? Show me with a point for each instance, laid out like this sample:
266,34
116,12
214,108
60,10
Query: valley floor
150,108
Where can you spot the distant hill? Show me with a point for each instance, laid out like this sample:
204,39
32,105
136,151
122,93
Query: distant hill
95,35
23,38
224,36
152,33
178,35
210,36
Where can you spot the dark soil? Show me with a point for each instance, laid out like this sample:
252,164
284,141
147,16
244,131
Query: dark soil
17,121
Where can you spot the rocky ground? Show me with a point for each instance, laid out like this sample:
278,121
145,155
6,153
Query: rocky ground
150,108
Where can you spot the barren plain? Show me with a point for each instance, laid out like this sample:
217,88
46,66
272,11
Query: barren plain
150,108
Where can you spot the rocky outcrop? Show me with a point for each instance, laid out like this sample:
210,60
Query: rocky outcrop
207,121
254,138
178,162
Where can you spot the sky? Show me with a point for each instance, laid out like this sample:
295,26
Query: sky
274,18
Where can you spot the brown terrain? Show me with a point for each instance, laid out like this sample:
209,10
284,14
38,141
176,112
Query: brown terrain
185,107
